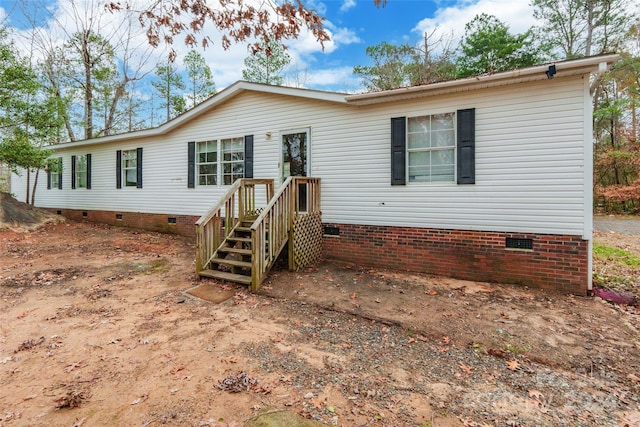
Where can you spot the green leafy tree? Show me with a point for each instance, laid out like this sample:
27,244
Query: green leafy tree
489,47
392,66
267,64
577,28
170,86
201,84
432,60
93,58
27,115
405,65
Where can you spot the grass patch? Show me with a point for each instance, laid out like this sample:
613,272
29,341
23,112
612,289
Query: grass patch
613,281
618,255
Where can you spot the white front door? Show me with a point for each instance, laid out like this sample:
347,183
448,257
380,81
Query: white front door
295,153
295,146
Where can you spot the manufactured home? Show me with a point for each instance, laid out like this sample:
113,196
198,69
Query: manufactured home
486,178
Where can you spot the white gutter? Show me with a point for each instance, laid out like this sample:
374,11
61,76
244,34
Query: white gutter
564,68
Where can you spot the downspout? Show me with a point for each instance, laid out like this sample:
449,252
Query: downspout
602,68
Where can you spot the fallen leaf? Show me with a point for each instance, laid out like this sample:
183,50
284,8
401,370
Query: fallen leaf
633,378
177,369
513,365
354,295
498,353
432,292
317,403
73,366
411,340
346,345
446,340
536,394
80,422
465,368
140,399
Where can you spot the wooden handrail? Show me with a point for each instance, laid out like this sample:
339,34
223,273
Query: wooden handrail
206,217
218,223
273,228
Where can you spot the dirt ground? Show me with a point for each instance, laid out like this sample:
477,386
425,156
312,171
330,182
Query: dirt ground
96,329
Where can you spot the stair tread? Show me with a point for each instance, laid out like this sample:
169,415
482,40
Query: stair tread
232,262
241,228
239,239
235,250
215,274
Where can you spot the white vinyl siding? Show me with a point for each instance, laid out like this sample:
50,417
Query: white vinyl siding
530,164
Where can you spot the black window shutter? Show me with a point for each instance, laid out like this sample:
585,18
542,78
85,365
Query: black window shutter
398,150
59,173
466,146
119,169
88,171
248,156
191,164
73,172
49,178
139,168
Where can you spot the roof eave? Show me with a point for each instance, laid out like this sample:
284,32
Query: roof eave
564,68
221,97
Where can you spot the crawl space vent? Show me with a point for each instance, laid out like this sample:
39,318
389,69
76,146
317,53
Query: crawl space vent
515,243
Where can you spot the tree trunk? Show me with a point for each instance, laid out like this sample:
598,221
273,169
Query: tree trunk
168,94
88,92
589,4
35,185
108,122
28,186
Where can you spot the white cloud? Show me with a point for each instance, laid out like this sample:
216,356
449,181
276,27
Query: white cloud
333,77
518,15
345,36
346,5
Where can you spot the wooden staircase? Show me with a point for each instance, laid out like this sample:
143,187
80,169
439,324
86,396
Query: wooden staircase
238,241
232,261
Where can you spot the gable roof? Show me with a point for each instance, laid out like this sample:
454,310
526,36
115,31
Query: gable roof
583,66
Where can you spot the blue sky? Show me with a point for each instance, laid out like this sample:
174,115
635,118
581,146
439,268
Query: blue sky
353,25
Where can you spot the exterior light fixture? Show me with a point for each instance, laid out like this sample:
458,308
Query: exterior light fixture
551,71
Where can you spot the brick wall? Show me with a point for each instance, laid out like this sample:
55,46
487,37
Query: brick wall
558,263
164,223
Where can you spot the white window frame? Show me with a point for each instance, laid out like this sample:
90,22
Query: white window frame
220,162
81,160
215,164
129,155
55,172
431,149
232,162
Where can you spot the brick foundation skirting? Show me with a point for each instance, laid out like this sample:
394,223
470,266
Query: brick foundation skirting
558,263
163,223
